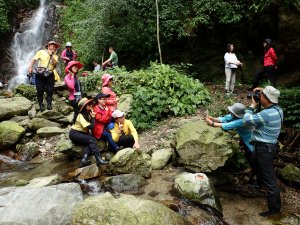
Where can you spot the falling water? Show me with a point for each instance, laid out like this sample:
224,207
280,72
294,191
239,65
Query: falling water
26,44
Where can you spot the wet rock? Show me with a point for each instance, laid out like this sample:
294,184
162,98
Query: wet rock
125,102
49,131
202,148
20,183
10,133
125,210
51,205
32,112
291,174
37,123
129,160
43,181
15,106
125,182
160,158
197,188
28,151
86,172
63,108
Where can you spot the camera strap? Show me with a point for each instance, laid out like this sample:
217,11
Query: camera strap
279,114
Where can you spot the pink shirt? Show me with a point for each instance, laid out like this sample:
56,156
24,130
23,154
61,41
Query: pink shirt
64,55
111,102
70,82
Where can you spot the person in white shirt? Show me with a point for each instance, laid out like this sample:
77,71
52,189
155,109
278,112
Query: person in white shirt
231,64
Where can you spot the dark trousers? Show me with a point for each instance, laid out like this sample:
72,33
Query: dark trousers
266,72
249,155
264,159
81,138
74,104
107,137
44,84
127,141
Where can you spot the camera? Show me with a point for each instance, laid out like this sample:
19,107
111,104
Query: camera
255,96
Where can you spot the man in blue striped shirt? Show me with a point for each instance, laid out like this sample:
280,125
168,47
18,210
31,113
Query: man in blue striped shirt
267,125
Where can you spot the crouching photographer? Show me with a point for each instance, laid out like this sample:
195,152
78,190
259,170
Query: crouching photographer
267,123
234,121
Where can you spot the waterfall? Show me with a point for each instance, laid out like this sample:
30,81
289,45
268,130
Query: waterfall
25,44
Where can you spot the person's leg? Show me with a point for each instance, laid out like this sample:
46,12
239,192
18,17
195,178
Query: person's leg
228,76
113,145
271,74
126,141
49,90
74,104
232,80
259,75
265,162
40,89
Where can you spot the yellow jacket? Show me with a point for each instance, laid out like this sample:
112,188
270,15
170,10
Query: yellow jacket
128,128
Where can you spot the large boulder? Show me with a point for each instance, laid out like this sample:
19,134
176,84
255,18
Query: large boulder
63,107
51,205
44,181
198,189
133,161
291,174
160,158
125,210
23,121
37,123
16,106
125,102
66,146
10,132
27,91
202,148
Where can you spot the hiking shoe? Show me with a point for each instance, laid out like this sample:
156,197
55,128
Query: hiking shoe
268,213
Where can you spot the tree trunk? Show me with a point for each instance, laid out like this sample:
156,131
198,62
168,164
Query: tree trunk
157,31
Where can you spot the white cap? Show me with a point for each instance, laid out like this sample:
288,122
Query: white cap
68,44
271,93
117,114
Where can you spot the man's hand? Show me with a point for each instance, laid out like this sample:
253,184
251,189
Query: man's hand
30,70
254,103
258,89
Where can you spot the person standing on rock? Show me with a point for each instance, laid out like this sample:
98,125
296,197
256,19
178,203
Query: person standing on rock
79,132
68,54
73,84
234,121
267,125
231,65
270,65
47,61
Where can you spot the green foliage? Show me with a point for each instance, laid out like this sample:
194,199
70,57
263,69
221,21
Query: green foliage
158,91
289,101
130,25
9,7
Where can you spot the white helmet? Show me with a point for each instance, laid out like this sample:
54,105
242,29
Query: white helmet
68,44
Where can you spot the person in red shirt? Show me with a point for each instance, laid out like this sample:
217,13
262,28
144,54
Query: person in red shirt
102,119
269,69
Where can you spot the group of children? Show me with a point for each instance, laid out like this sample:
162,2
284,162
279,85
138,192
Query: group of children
100,116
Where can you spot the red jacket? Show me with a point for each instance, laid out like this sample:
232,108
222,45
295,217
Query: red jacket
102,118
111,102
270,58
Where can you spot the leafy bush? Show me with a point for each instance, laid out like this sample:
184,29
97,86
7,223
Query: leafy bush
289,101
158,92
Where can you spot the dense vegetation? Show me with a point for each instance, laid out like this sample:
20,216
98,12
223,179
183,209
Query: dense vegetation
158,91
8,8
130,25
